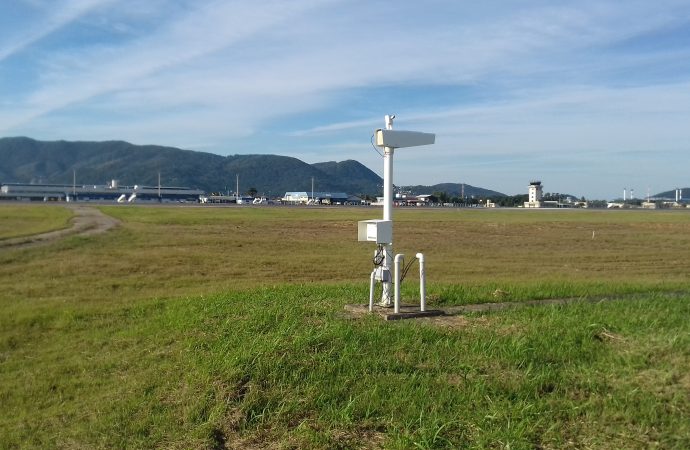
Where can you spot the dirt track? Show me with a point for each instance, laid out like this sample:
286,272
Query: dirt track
87,221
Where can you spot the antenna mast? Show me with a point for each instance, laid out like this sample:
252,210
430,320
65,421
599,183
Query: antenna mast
381,231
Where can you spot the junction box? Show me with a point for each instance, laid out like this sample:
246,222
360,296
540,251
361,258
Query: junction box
375,230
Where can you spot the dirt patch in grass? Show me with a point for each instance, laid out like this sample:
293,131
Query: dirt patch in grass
87,221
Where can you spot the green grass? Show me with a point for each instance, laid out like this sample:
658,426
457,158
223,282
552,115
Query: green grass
285,366
190,328
17,220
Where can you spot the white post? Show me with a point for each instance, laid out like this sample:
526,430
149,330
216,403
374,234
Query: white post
372,283
398,260
422,283
387,211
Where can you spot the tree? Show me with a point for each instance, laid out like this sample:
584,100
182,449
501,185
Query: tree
510,200
441,196
252,192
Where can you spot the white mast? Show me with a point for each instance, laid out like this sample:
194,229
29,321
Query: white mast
381,231
387,211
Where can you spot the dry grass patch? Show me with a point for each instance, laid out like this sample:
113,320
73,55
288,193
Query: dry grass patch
204,328
17,220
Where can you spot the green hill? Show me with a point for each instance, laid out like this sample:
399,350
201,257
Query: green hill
671,195
454,190
360,177
26,160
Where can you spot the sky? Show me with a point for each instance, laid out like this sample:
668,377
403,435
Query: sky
589,97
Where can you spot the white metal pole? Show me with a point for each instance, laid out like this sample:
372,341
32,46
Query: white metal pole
422,283
372,283
387,212
399,258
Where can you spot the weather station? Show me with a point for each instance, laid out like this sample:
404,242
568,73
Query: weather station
380,232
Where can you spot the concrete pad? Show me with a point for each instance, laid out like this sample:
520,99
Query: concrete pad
406,312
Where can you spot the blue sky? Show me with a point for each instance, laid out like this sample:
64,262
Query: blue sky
587,96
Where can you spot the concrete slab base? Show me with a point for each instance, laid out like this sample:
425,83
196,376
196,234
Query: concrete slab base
406,312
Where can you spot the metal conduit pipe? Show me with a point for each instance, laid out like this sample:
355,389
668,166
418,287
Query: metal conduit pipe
422,283
399,258
372,282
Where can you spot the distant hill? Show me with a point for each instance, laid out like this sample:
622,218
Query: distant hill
454,190
671,195
361,178
26,160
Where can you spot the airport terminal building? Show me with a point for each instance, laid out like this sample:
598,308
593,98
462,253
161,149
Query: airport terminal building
110,192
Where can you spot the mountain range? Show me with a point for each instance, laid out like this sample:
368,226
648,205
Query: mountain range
25,160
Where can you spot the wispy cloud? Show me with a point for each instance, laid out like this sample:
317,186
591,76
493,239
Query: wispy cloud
508,82
52,18
207,29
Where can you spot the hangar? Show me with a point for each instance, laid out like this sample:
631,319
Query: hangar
110,192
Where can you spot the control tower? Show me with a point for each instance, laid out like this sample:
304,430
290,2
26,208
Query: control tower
535,194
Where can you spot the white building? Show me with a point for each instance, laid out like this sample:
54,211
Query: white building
112,191
321,198
534,195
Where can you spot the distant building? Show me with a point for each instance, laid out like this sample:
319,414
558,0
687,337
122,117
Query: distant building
319,198
534,195
424,200
109,192
409,199
295,197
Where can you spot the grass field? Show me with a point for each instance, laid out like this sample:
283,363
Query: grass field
25,220
224,328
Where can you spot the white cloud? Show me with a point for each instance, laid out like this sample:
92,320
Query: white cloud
538,80
206,30
56,16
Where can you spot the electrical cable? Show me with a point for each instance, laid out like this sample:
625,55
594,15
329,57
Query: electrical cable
372,144
405,270
379,256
